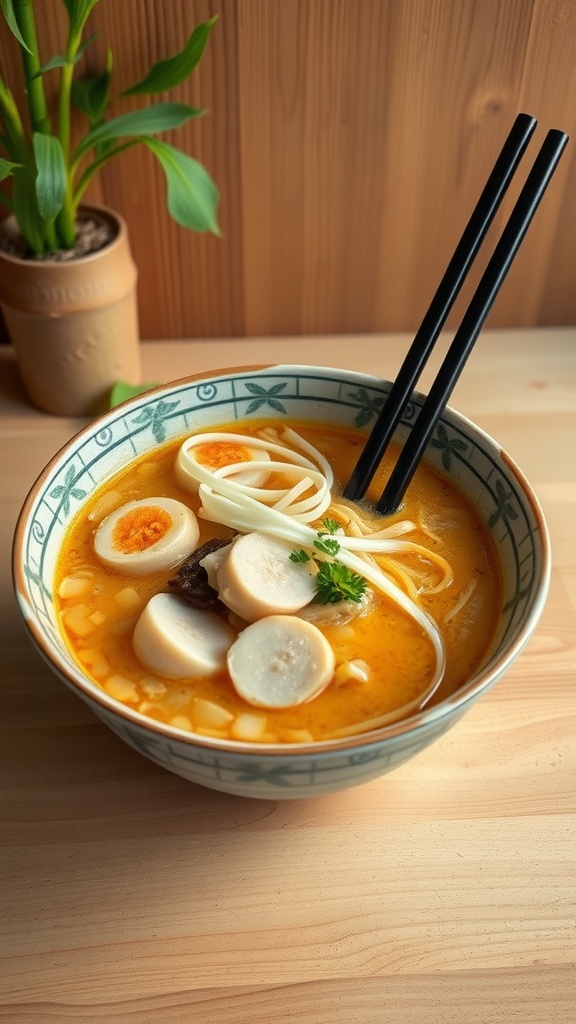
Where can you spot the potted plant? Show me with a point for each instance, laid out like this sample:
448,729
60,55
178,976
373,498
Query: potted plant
67,278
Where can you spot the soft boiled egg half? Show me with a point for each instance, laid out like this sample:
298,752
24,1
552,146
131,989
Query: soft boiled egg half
147,535
218,450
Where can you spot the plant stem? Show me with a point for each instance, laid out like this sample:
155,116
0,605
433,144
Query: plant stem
39,119
91,170
67,215
17,145
34,85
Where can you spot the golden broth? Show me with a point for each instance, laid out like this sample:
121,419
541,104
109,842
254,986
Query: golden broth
98,607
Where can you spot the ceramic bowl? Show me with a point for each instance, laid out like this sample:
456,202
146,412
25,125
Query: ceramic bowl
459,449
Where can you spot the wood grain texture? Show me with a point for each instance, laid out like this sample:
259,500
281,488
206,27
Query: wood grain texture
350,140
443,892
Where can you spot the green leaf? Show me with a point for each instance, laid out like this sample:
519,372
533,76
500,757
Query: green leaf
60,61
7,168
10,17
91,95
166,74
192,195
52,179
78,12
161,117
26,210
121,392
57,61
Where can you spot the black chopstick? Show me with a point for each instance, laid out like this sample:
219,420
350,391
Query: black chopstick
437,313
471,325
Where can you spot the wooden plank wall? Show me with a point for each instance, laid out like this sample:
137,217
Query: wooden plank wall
350,140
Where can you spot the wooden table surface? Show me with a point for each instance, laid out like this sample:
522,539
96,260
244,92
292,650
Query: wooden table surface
443,892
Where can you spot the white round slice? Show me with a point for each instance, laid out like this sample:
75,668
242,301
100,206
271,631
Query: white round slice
212,452
147,535
173,639
280,661
258,578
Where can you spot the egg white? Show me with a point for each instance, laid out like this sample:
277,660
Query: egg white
177,543
250,474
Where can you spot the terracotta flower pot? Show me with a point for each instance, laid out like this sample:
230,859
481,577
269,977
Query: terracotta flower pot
73,324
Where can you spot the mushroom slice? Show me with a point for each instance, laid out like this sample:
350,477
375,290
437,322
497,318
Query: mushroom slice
280,661
337,614
147,535
173,639
196,581
257,578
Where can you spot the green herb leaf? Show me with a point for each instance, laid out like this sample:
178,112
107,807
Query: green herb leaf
336,583
51,180
300,556
161,117
192,195
10,17
166,74
330,526
329,547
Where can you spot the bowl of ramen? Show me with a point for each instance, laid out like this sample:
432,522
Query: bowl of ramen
188,566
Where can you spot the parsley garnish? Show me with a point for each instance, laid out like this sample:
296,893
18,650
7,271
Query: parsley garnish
330,526
335,581
300,556
329,547
338,583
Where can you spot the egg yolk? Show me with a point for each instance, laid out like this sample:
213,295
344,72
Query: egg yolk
216,454
140,529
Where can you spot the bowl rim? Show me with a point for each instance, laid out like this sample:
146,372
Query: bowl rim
452,705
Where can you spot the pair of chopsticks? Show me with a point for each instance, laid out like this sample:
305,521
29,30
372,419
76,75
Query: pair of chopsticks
474,317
